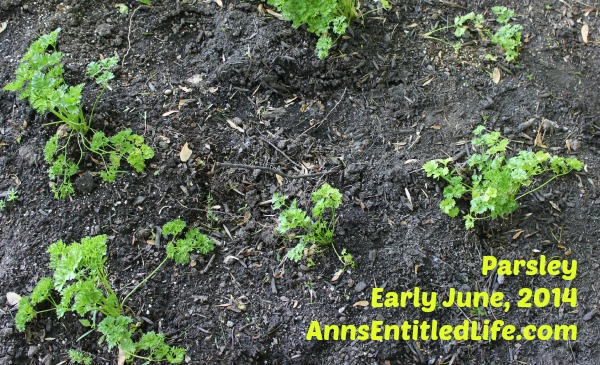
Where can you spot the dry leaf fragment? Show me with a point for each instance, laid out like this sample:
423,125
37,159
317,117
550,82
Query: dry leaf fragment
235,126
13,299
184,102
121,357
166,114
516,235
275,14
554,205
219,2
585,30
195,79
3,26
496,75
63,131
185,153
185,89
337,275
279,179
361,303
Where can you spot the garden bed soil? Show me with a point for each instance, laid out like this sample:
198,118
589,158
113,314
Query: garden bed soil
240,86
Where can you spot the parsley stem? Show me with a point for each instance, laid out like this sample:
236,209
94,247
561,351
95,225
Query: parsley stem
541,186
144,281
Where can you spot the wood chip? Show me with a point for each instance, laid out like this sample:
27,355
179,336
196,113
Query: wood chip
232,124
275,14
361,303
3,26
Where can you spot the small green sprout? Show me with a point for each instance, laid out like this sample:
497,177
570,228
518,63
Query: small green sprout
491,181
12,195
314,229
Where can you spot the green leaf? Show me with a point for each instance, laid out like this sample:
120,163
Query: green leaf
297,253
278,201
116,333
194,240
25,314
42,290
504,14
324,198
173,228
79,357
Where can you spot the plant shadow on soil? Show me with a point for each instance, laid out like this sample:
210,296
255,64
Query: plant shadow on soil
383,103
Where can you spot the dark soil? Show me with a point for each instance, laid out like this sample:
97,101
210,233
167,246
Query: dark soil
382,104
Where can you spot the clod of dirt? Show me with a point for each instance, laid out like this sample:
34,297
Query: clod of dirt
27,153
32,351
104,30
86,183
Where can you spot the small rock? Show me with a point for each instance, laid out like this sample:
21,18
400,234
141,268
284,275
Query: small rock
589,315
104,30
47,360
360,286
168,92
230,324
32,351
5,332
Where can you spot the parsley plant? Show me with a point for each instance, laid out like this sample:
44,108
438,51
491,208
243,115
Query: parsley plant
39,78
492,181
316,229
80,278
507,37
323,17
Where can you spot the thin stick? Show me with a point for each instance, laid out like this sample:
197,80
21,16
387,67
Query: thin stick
327,116
128,35
273,171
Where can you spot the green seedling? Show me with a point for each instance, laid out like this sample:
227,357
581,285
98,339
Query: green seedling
39,78
507,37
79,357
11,196
491,181
325,18
80,278
312,230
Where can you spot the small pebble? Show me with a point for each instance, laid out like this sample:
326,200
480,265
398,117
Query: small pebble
32,351
360,286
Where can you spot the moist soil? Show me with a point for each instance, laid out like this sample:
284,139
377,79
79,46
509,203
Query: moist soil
240,86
